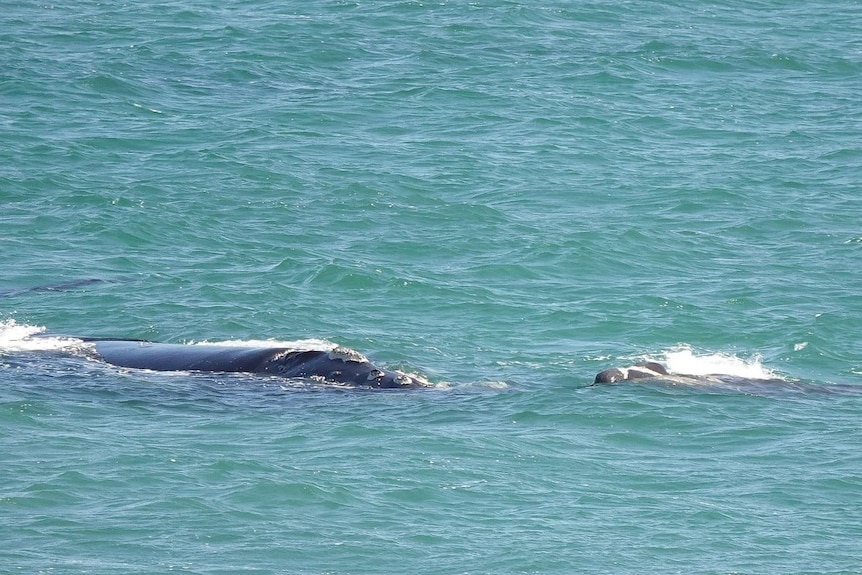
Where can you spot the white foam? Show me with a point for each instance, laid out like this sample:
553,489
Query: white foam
683,360
299,344
18,337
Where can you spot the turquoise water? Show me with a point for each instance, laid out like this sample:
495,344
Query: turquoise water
503,197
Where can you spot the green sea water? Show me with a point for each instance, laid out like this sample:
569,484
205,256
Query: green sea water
503,197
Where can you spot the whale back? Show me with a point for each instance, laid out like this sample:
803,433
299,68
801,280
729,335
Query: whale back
177,357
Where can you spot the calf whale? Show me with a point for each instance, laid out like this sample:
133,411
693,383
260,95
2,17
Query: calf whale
336,366
655,371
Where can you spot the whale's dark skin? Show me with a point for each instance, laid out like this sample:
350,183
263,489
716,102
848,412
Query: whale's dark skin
338,366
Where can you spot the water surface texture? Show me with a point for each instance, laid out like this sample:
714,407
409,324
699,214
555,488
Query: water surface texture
503,197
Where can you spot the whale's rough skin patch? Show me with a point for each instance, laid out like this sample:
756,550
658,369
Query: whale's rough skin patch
347,354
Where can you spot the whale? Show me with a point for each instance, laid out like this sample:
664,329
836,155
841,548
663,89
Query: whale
341,365
653,371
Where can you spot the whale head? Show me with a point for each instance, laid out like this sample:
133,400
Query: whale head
341,366
612,375
642,370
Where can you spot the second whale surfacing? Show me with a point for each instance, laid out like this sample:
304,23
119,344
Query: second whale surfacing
340,365
653,372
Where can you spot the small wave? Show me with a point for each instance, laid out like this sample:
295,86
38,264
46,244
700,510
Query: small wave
20,337
683,360
497,385
492,385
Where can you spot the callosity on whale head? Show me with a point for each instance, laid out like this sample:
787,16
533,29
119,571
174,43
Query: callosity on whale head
340,365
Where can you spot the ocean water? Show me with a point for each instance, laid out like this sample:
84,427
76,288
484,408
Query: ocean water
504,197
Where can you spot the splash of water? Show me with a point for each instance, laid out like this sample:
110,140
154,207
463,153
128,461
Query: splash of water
683,360
22,337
